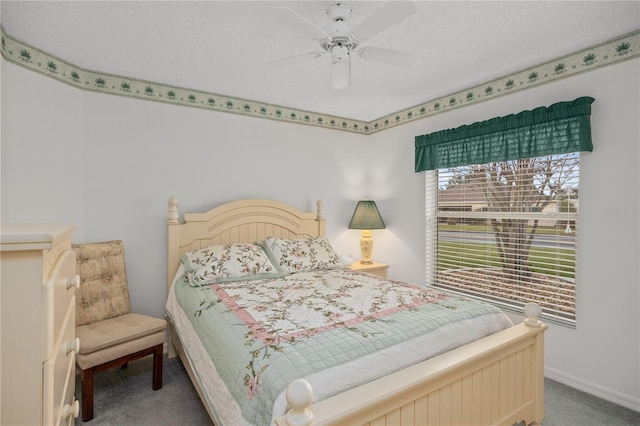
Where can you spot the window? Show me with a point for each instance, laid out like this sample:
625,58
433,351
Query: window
506,232
502,206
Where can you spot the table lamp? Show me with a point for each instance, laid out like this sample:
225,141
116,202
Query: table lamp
366,217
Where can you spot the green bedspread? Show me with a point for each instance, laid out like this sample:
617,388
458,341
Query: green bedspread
263,334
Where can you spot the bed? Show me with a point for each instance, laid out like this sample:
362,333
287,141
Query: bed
472,367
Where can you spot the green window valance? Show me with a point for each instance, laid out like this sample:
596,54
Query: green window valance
560,128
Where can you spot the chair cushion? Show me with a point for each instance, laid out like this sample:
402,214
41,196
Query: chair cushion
117,330
103,289
116,352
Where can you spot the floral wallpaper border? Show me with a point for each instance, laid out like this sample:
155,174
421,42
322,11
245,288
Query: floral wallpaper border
616,50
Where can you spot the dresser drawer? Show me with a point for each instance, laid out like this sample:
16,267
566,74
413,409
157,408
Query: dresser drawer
58,292
59,374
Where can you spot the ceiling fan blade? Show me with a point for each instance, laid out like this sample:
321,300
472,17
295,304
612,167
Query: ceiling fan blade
341,71
389,56
389,15
303,57
297,22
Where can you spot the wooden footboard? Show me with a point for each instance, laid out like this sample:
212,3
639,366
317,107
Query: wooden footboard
496,380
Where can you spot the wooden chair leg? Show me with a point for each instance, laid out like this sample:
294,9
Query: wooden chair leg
87,394
87,376
157,367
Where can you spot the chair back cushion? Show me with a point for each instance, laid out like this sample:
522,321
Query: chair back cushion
103,292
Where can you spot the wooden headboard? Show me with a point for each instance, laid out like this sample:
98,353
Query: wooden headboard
242,221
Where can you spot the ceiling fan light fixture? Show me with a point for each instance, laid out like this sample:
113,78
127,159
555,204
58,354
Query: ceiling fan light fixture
339,53
340,67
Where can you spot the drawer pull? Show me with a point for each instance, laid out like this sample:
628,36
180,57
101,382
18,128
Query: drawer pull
71,410
73,346
74,282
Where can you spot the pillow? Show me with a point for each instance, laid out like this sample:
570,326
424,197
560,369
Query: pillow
226,263
302,255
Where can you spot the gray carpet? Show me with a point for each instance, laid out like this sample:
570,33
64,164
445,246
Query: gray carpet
566,406
124,397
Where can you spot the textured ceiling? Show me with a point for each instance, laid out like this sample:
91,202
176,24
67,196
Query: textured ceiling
224,47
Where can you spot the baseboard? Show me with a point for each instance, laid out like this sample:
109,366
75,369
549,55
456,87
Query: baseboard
593,389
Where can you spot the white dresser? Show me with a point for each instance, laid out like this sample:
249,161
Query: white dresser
37,323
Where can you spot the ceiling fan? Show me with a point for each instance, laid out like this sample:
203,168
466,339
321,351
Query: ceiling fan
342,39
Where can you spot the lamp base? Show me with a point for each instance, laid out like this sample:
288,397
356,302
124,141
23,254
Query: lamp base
366,247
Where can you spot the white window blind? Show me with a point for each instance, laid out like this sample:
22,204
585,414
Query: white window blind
506,232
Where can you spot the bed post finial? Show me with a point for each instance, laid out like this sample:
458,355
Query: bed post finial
533,311
172,215
299,396
319,206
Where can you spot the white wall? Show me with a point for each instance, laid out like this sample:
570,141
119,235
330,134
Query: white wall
128,156
602,355
109,164
42,148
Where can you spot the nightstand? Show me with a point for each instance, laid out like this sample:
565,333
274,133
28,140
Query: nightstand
374,268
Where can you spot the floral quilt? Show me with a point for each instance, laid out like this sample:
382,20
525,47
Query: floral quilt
263,334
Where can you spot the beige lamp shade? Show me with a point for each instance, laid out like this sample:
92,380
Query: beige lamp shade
366,217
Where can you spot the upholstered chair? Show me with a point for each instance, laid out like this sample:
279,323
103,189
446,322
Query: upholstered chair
110,334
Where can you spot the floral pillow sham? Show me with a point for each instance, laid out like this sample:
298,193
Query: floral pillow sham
226,263
302,255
